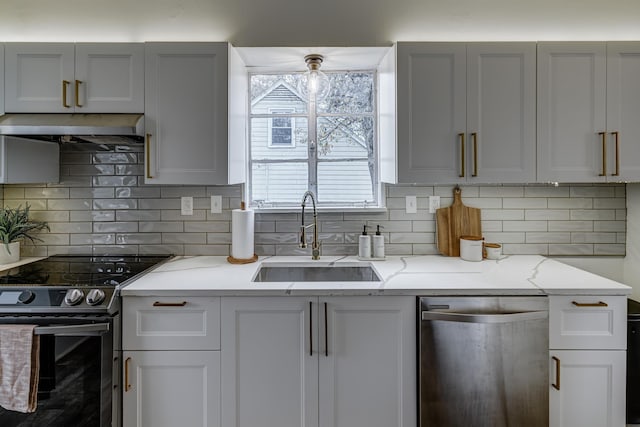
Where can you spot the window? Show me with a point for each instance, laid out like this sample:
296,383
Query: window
281,129
331,146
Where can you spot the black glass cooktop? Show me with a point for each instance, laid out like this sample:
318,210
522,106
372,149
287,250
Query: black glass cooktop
79,270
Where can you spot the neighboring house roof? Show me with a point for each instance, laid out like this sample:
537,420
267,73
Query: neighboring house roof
283,90
278,90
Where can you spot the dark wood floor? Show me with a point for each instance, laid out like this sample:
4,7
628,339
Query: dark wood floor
75,400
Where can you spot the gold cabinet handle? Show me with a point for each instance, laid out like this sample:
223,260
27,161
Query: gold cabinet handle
127,386
603,135
590,304
556,385
169,304
462,155
616,139
148,155
474,138
65,84
78,82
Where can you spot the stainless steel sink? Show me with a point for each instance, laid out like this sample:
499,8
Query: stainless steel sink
316,273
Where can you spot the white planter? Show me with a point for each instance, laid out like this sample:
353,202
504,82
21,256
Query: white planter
8,258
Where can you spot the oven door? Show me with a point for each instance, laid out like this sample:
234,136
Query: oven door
76,373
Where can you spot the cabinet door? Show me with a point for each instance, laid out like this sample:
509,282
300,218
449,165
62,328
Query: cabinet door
38,76
2,79
501,112
591,388
623,104
367,362
571,111
431,112
269,362
109,78
186,94
171,388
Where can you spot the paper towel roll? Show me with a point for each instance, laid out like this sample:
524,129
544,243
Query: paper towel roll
242,234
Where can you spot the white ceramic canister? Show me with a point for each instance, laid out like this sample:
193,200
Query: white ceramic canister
471,248
493,250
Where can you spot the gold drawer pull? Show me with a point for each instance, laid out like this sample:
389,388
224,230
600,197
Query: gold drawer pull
590,304
169,304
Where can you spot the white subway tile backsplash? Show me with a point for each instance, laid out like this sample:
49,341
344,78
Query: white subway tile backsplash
102,205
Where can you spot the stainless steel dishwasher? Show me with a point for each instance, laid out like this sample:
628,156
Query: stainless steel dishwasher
484,361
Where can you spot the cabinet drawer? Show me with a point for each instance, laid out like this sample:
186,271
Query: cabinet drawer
171,323
588,322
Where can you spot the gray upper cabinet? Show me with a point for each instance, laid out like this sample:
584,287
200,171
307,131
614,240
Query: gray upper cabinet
623,108
68,78
1,79
466,112
588,103
192,134
571,112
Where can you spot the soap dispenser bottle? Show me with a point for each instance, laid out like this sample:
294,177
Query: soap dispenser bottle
364,244
378,243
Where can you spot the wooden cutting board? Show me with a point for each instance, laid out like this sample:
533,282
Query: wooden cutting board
455,221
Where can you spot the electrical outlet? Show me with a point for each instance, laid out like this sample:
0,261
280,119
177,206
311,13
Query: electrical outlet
216,204
186,205
411,204
434,203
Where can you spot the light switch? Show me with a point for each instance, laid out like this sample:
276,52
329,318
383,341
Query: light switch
186,205
216,204
411,204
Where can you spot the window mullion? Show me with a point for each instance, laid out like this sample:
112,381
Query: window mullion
313,144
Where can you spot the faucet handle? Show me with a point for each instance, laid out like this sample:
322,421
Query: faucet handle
315,251
303,237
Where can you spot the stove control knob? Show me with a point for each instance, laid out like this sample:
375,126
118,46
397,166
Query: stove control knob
26,297
73,297
95,296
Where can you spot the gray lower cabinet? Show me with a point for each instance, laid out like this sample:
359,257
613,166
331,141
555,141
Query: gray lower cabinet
171,358
309,362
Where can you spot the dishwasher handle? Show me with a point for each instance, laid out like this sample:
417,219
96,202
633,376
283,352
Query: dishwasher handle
451,316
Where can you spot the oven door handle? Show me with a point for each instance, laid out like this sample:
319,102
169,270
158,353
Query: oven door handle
71,329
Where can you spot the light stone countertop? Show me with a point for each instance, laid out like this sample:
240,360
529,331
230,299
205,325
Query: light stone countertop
401,275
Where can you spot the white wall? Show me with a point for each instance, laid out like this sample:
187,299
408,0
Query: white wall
317,22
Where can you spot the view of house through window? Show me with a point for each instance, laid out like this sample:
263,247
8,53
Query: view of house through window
329,149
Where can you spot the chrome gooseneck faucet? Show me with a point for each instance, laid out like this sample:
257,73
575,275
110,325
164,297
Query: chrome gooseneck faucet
315,246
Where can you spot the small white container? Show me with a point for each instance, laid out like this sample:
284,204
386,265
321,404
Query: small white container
493,250
471,248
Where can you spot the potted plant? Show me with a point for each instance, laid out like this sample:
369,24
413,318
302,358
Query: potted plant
15,225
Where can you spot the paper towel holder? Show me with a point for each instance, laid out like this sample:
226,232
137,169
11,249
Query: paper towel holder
232,260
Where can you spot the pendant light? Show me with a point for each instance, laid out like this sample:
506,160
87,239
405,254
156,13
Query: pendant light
314,80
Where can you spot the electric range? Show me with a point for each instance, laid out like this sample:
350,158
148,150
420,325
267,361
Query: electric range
68,284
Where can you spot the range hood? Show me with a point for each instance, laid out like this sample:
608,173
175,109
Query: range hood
84,126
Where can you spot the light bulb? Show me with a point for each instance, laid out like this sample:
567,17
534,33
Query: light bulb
314,81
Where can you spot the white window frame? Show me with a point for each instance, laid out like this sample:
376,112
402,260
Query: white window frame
377,205
286,112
